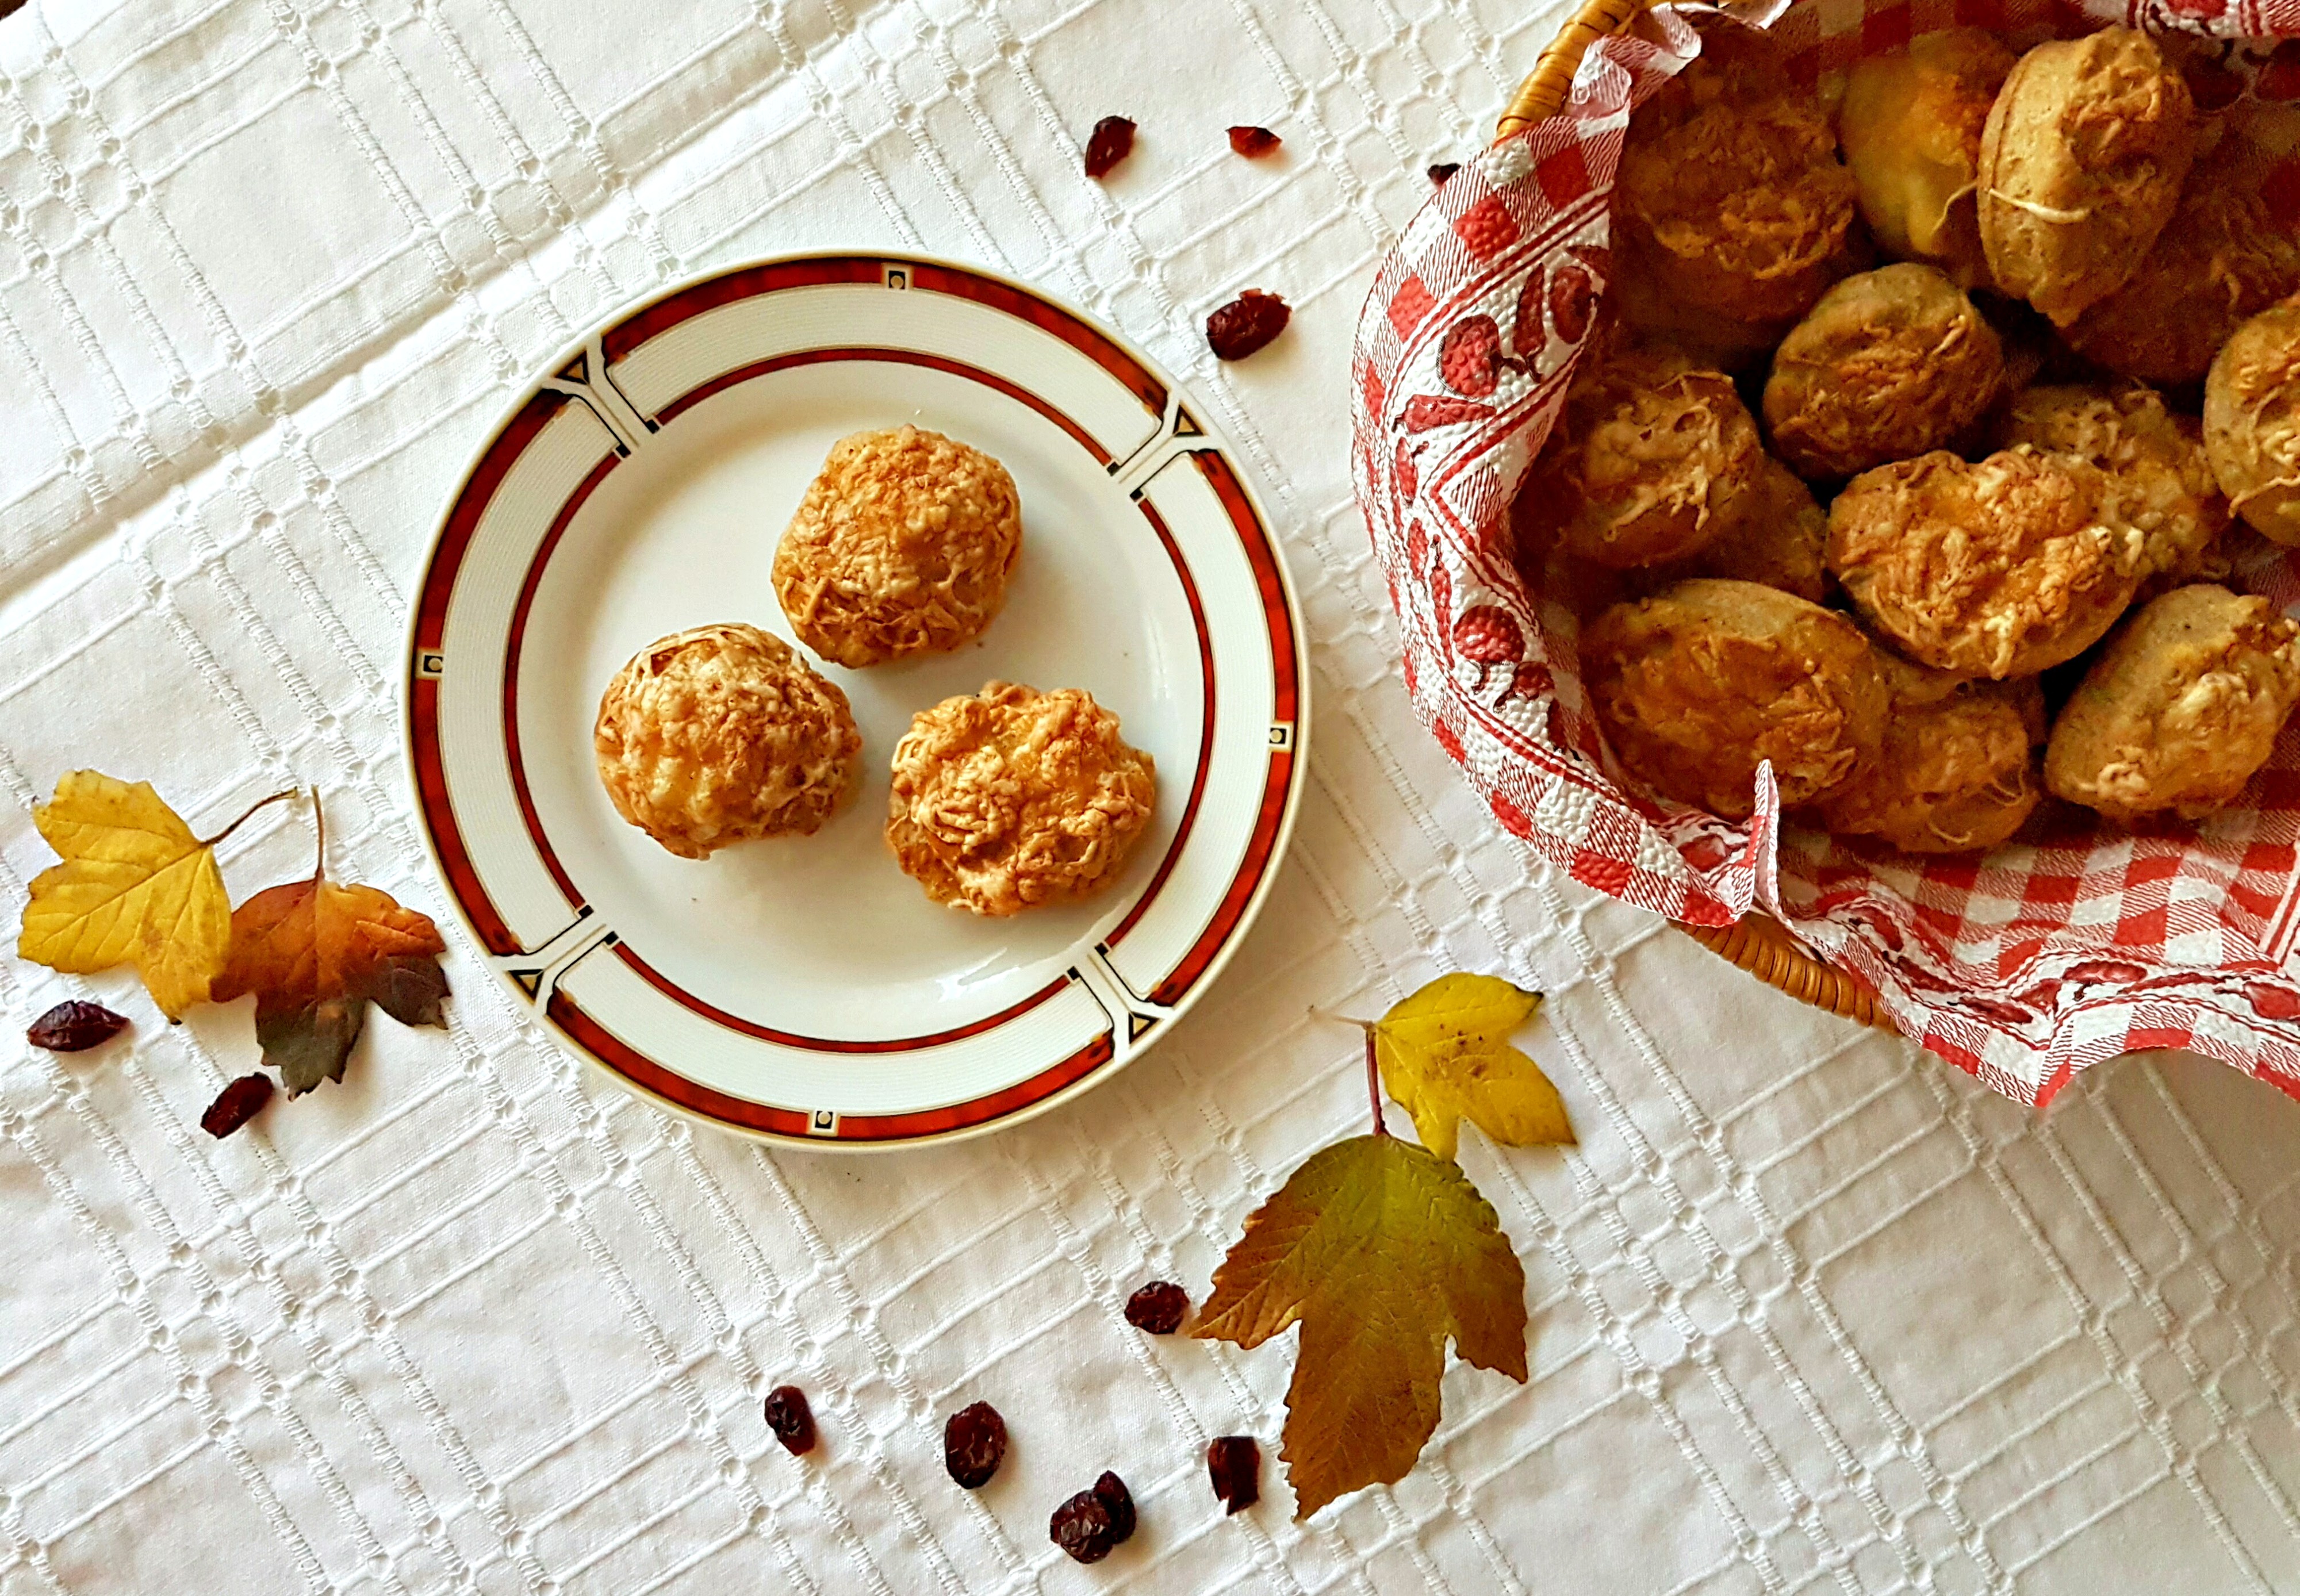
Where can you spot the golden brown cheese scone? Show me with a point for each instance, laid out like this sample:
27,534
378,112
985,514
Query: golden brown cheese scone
1911,124
2180,708
1013,797
1730,185
2153,459
2251,422
1661,315
1779,540
722,734
2227,254
1998,569
1697,684
1886,365
2081,163
1652,460
903,546
1958,769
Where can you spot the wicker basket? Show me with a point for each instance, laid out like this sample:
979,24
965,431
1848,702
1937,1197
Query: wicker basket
1759,944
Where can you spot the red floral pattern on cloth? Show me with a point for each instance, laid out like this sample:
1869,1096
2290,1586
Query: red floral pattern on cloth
2022,966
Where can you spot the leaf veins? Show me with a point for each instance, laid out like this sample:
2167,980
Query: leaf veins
315,954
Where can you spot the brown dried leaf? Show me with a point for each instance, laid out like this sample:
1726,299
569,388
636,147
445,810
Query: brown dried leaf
315,954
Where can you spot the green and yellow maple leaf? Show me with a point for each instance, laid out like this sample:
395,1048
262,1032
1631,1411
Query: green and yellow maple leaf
1382,1252
1445,1055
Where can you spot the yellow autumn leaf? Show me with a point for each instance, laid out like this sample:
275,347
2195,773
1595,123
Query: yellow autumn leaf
1446,1056
134,888
1382,1252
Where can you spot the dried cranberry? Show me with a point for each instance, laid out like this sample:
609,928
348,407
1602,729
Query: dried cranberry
1111,1492
1158,1308
973,1444
1111,142
1081,1528
1442,171
791,1419
1247,324
235,1105
1254,143
75,1026
1234,1463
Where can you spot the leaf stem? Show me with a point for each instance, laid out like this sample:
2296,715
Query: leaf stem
320,825
1373,1066
247,814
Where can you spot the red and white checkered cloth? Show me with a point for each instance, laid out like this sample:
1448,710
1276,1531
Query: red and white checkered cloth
2022,966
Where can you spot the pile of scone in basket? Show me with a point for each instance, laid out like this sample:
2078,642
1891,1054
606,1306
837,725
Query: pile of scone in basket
903,547
1924,406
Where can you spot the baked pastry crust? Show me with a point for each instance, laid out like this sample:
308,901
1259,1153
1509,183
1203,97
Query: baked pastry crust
903,546
1652,459
2153,459
2251,422
1730,187
1661,315
2180,708
1886,365
1698,683
1999,568
722,734
1778,541
2081,163
2225,257
1012,797
1958,771
1911,124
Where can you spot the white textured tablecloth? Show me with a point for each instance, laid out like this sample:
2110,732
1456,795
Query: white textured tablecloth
1812,1311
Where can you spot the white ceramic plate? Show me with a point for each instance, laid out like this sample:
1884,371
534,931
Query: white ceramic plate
805,989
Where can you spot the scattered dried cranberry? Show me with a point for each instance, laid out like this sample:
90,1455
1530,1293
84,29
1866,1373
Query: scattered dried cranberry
75,1026
973,1444
1247,324
1111,142
235,1105
1234,1463
791,1419
1081,1528
1442,171
1158,1308
1254,143
1111,1492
